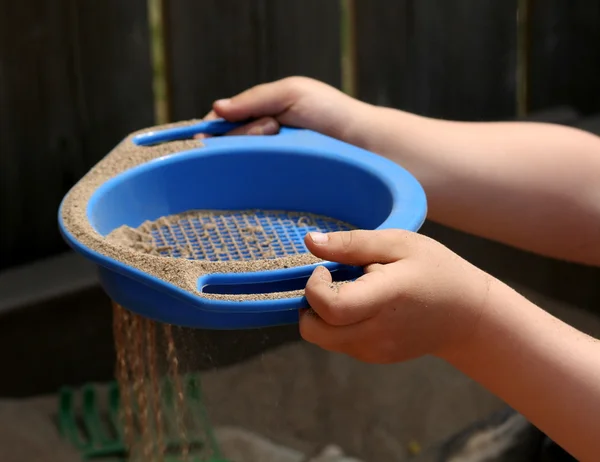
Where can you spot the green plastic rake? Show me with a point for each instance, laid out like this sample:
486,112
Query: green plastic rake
90,422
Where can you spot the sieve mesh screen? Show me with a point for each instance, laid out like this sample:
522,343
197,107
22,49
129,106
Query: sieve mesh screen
213,235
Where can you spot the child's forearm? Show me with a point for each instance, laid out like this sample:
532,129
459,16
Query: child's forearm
540,366
533,186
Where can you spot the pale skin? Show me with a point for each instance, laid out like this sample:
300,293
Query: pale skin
530,185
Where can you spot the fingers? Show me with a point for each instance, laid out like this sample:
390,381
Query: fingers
262,126
360,341
348,319
315,330
269,99
295,101
343,315
212,115
352,302
360,247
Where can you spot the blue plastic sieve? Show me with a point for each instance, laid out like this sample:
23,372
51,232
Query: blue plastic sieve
297,170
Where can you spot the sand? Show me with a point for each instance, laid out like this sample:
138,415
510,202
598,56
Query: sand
180,272
224,235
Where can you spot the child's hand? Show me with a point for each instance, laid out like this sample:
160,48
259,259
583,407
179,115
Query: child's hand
294,101
415,298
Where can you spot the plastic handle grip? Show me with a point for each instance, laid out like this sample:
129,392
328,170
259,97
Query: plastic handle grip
271,282
210,127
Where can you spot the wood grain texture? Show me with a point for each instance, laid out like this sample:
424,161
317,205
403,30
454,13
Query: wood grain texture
565,54
75,78
438,58
217,48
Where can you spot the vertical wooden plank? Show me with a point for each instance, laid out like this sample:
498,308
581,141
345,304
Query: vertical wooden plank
212,52
218,48
437,58
523,58
303,38
348,46
565,55
383,48
75,77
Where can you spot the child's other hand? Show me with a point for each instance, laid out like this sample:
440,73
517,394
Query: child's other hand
294,101
415,298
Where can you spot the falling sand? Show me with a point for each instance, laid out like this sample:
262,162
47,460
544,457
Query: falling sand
162,409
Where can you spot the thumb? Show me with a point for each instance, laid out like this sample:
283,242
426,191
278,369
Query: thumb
360,247
268,99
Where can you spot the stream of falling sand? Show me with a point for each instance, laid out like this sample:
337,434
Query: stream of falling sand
121,334
142,383
180,398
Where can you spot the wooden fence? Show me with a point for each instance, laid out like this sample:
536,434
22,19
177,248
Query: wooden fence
75,77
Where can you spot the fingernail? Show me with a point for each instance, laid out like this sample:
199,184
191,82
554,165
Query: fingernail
319,238
268,127
256,130
223,102
323,273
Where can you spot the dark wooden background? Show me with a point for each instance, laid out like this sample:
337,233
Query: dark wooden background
76,77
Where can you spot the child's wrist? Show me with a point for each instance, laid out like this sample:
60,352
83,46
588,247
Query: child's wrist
475,335
501,317
359,129
392,133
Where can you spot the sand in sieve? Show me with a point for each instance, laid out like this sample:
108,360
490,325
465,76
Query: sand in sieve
181,272
210,236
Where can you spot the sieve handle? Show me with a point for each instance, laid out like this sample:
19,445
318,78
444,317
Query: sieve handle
218,127
209,127
271,282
